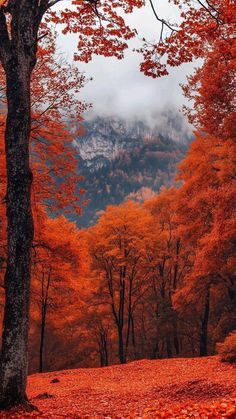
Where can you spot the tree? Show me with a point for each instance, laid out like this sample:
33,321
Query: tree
19,33
206,214
169,261
117,248
56,265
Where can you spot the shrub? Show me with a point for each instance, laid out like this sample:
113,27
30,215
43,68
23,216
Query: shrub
227,349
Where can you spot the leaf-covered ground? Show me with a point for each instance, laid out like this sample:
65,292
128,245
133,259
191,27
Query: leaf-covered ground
176,388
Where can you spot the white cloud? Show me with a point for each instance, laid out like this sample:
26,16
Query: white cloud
118,87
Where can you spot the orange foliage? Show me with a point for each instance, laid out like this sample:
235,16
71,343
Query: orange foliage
101,28
202,26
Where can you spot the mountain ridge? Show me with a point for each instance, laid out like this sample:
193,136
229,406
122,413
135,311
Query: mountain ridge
118,158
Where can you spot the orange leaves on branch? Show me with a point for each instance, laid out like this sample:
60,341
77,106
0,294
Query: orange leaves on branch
101,28
201,25
213,89
56,117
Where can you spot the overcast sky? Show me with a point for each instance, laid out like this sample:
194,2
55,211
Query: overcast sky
118,87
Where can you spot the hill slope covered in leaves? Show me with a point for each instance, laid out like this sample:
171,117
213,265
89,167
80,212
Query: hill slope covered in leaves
173,388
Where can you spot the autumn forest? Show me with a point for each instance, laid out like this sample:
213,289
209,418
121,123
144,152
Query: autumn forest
148,290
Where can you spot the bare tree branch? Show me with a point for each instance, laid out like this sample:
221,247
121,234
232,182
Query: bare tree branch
162,21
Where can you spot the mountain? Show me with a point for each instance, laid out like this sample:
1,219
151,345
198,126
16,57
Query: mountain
105,138
123,159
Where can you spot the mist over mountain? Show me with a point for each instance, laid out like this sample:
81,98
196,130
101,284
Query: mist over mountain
123,159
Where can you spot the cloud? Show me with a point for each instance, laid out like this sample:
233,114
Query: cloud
118,87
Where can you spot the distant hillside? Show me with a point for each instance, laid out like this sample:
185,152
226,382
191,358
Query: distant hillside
121,159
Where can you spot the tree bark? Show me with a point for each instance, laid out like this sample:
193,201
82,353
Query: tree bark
18,57
14,357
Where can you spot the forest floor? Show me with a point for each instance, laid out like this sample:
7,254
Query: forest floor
169,388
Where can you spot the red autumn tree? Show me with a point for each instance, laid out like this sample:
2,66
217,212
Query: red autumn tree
168,262
117,246
56,271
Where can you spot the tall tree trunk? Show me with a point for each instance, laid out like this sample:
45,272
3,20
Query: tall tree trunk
155,351
105,351
103,348
133,336
129,316
14,354
121,351
204,325
176,338
169,347
42,335
44,308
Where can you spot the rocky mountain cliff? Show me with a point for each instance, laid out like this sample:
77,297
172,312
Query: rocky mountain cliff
121,159
105,138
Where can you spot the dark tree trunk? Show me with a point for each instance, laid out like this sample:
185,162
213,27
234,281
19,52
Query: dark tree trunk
18,57
155,354
176,338
204,326
176,344
130,317
169,348
44,308
14,356
42,338
121,351
105,353
103,349
118,314
133,336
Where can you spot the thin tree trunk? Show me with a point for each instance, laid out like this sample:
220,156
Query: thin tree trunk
155,351
133,336
121,351
44,301
204,325
168,347
129,316
105,351
121,347
42,336
176,338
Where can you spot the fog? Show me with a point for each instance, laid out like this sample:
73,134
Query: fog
118,87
